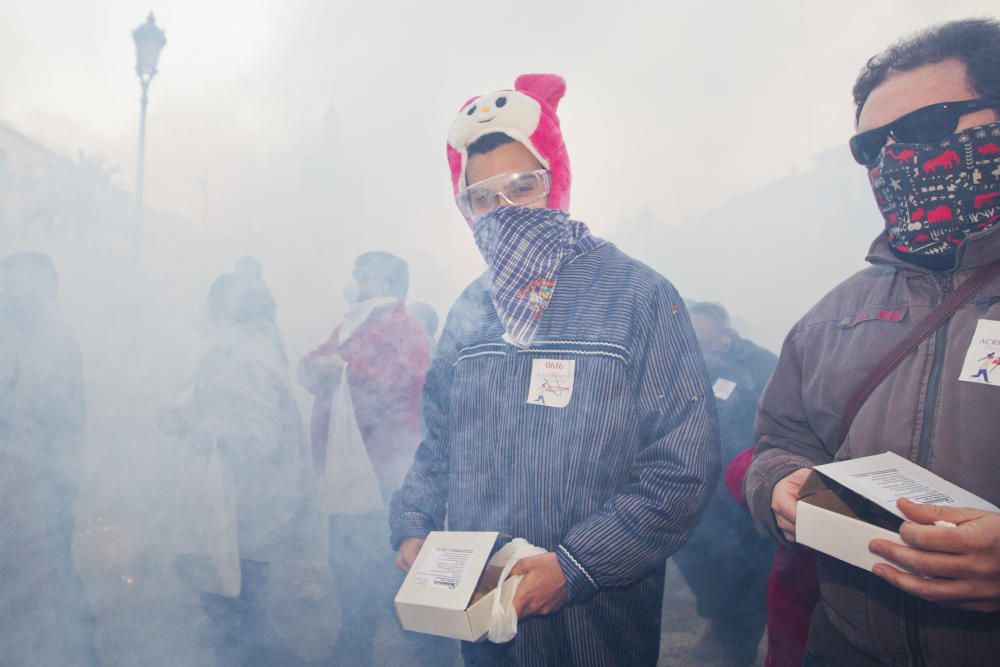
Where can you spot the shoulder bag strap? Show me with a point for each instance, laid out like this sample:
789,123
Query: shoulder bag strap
921,330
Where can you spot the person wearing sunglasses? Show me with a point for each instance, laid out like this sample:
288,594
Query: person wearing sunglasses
928,137
567,404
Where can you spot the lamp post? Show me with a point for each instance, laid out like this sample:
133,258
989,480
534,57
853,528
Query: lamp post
149,39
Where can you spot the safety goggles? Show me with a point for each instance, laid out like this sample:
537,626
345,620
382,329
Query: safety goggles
926,124
518,189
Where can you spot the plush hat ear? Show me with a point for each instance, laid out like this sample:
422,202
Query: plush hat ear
547,87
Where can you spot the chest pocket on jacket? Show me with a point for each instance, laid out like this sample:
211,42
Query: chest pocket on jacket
891,314
590,442
592,372
600,407
493,382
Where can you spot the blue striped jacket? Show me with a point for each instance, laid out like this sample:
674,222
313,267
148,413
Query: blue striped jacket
613,482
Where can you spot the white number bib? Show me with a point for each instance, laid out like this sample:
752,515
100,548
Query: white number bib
551,382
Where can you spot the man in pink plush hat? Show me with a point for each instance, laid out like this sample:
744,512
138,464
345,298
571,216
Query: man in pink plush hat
567,403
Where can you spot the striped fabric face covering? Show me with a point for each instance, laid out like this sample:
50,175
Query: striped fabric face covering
524,249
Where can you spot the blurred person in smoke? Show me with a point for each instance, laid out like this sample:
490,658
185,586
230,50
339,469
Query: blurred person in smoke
250,273
385,351
928,135
567,404
43,616
242,404
725,553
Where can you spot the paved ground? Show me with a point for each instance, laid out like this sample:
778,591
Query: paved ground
682,626
144,619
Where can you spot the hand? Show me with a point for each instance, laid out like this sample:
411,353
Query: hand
408,550
322,373
784,501
543,589
957,567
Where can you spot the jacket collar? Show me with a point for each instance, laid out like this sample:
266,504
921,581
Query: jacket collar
979,249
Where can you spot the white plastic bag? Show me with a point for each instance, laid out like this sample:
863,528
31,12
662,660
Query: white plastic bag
349,484
503,624
205,536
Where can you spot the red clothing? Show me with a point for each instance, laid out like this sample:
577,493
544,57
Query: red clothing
735,472
792,589
387,359
792,593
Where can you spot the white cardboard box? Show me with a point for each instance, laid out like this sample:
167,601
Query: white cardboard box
845,505
436,594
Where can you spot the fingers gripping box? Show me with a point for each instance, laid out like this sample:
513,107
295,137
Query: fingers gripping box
845,505
450,587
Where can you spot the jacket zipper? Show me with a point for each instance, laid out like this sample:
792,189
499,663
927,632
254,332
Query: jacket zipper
912,605
933,384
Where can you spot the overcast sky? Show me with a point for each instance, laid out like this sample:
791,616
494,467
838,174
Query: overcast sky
283,107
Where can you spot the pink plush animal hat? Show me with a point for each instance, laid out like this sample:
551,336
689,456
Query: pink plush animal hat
527,115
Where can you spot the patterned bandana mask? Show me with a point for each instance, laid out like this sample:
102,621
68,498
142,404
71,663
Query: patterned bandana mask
933,195
524,249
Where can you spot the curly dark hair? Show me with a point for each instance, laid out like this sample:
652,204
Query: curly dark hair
975,42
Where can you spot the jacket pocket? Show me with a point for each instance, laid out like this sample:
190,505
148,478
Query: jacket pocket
844,596
892,314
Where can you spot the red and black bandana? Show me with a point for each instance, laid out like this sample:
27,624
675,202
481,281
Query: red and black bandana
933,195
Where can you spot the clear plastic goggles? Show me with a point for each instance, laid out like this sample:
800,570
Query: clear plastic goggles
518,189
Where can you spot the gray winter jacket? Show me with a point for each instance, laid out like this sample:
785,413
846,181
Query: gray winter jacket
921,411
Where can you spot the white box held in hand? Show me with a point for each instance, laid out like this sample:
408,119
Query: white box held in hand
845,505
449,590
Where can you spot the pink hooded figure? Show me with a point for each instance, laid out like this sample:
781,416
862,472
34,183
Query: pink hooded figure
560,314
527,115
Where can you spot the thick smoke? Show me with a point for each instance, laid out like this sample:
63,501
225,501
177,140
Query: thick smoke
132,354
124,366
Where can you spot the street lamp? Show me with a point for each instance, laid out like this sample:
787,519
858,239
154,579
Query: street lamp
149,39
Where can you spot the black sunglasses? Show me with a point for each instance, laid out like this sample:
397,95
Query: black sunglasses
930,123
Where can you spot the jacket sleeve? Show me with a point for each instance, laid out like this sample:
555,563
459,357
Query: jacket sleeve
673,473
420,505
784,439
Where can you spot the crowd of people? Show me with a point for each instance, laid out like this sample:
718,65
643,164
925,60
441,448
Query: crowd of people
662,435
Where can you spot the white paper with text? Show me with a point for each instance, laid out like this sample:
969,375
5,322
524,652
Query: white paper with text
443,567
885,478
